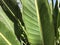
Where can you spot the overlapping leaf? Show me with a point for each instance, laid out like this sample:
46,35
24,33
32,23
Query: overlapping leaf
32,22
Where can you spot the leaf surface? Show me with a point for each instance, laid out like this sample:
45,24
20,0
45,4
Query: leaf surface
7,35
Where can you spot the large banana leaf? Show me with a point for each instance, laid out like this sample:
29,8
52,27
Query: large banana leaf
7,35
38,21
32,22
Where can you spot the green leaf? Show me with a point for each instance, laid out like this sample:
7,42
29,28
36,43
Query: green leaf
32,22
7,35
58,19
38,21
58,26
46,22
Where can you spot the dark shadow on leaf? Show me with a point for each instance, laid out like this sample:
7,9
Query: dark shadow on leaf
18,16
